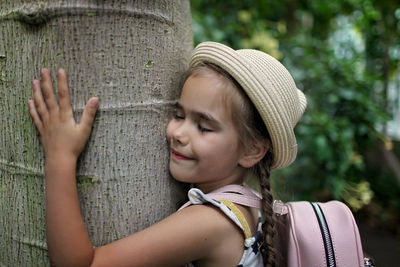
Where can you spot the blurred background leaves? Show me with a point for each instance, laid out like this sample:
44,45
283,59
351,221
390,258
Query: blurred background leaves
344,55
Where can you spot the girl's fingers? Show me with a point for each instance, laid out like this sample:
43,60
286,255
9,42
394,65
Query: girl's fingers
63,92
40,106
88,114
48,92
35,116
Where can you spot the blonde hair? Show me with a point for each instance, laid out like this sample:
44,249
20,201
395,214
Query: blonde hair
251,129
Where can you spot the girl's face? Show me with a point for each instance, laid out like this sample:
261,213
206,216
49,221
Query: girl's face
204,143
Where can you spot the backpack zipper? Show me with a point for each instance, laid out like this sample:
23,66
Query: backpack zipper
326,236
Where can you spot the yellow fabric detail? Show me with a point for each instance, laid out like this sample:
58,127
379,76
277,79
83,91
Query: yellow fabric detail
239,215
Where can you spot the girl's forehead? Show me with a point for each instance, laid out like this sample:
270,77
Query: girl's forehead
211,87
206,93
219,84
210,73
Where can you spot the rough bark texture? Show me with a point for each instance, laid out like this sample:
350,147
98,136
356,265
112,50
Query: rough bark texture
131,55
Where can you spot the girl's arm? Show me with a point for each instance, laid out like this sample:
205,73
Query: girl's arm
63,140
195,233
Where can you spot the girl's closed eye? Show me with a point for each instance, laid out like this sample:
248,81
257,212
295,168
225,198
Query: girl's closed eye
179,116
204,129
178,112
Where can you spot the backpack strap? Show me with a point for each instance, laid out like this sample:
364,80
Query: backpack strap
235,193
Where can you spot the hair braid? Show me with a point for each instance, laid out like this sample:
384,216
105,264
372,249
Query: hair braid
262,171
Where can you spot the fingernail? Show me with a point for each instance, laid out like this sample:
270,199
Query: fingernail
94,102
44,71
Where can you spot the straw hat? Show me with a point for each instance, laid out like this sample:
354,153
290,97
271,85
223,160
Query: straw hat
269,86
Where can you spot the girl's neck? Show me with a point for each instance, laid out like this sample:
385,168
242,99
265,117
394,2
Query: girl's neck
209,187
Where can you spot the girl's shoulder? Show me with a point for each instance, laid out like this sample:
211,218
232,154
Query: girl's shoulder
221,239
245,217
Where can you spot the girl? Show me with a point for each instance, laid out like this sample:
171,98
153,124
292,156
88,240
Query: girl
234,119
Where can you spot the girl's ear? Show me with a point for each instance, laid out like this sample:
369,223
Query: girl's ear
254,153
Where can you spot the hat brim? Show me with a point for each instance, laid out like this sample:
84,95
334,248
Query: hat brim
248,74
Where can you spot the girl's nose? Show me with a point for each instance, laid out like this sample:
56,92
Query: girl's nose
180,134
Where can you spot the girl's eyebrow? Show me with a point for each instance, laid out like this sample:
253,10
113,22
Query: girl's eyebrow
202,115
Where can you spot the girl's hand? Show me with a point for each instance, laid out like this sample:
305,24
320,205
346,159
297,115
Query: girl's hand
54,120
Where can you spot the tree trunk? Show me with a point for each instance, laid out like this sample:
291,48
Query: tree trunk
131,55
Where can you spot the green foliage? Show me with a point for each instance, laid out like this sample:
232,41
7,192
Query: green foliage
342,54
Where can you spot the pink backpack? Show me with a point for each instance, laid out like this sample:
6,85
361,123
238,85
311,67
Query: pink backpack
319,234
311,234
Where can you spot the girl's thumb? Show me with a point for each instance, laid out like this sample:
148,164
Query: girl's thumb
89,112
93,102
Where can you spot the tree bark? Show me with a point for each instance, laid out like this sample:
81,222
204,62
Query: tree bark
131,55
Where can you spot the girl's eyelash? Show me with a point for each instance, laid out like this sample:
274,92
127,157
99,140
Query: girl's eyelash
179,117
202,129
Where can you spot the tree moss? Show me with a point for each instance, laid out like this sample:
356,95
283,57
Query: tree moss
85,183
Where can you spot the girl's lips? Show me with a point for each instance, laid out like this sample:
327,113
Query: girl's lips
177,155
